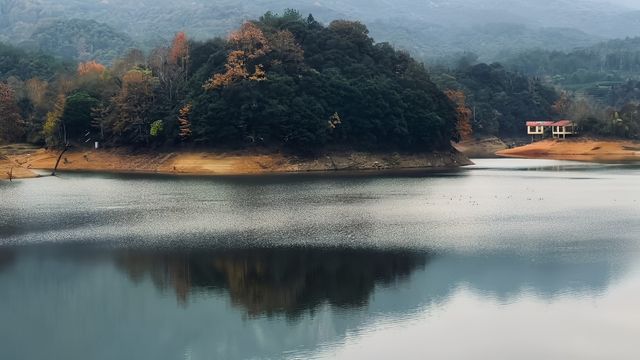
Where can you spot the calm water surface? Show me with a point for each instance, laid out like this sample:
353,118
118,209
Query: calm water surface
525,259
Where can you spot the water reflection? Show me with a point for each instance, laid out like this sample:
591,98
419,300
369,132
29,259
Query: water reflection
258,302
122,267
7,257
291,281
274,281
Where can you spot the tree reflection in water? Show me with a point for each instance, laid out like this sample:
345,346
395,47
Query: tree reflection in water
7,257
275,281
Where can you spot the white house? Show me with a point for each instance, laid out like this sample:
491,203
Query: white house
538,127
557,129
563,128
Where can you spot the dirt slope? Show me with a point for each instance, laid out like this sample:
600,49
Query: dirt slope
232,163
578,149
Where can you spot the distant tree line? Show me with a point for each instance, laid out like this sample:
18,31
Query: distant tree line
79,40
602,100
609,61
600,84
497,101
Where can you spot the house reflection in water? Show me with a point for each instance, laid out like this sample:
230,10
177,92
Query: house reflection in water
276,281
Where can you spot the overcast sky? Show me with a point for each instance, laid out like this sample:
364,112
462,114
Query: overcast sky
629,3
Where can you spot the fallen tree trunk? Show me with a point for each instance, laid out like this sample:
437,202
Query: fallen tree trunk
55,169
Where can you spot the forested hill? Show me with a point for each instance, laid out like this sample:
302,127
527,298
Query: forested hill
617,59
281,81
590,71
80,40
20,64
498,100
600,83
491,42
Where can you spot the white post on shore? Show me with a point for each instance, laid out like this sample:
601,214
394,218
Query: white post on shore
97,145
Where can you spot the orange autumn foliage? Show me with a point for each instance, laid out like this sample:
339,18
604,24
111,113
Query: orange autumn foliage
250,43
285,43
133,77
236,70
259,74
90,67
179,49
139,81
250,39
463,113
184,123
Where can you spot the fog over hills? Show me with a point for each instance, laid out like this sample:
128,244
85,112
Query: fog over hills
629,3
427,28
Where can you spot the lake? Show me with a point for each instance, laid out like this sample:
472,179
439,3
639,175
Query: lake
510,258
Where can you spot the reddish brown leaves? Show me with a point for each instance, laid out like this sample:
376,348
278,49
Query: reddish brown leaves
90,67
284,43
184,123
250,44
179,49
463,113
236,70
259,74
251,40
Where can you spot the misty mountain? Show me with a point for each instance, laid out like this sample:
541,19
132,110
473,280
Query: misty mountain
491,42
80,40
426,28
592,69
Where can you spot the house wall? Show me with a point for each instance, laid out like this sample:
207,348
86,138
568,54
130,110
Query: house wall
563,131
535,130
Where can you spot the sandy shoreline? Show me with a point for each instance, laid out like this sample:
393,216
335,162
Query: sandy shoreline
10,168
223,163
592,150
481,147
22,163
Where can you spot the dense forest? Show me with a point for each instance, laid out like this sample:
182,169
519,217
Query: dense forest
599,83
17,63
283,81
498,100
612,61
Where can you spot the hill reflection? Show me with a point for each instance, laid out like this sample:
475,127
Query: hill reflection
280,296
275,281
7,257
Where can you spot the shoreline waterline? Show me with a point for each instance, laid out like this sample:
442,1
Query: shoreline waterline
204,163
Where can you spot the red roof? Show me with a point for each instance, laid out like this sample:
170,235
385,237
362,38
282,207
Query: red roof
550,123
539,123
563,123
